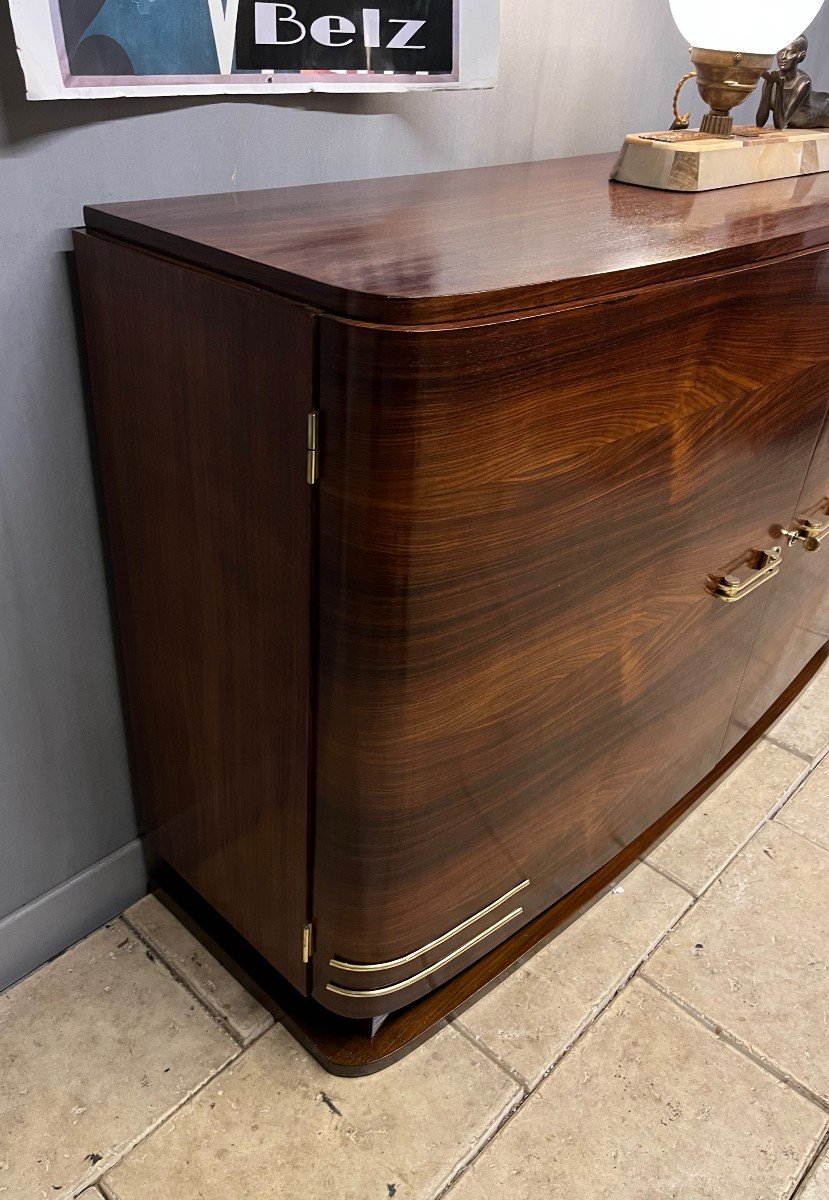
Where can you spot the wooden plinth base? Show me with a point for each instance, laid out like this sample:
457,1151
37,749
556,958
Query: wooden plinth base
354,1048
690,161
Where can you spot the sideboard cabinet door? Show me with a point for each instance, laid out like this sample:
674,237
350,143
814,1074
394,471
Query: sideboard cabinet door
520,665
796,621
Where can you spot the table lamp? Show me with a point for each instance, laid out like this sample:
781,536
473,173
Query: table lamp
733,44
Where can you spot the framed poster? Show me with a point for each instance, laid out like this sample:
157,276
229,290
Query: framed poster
92,48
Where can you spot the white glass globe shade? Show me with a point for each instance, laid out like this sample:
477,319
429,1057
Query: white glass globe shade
752,26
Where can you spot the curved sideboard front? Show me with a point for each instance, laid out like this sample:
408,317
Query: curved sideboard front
522,661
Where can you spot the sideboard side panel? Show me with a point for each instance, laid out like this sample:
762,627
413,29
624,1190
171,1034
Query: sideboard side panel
201,390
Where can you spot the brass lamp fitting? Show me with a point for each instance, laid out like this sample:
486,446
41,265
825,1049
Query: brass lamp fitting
725,79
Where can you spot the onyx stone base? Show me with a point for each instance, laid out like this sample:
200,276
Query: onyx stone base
695,161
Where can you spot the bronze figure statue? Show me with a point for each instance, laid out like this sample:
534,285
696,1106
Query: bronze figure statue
788,95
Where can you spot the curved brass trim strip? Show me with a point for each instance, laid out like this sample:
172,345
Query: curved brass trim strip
357,994
363,968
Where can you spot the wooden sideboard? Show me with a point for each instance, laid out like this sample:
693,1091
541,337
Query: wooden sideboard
445,517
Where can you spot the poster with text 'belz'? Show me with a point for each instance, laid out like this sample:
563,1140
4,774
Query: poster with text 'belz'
93,48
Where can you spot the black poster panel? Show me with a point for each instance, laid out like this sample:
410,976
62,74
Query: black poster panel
403,36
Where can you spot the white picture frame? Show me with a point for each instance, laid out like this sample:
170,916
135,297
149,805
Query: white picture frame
45,59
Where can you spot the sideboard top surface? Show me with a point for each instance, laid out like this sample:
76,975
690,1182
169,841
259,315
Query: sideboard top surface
474,244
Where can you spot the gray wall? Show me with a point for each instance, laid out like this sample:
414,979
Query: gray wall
574,79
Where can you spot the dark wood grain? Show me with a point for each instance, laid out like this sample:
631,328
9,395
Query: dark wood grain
483,650
358,1054
349,1048
796,620
201,391
520,667
468,244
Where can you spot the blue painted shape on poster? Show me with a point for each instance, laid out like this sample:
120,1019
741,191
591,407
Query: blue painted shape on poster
161,37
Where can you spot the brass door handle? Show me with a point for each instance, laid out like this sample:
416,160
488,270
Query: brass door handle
809,535
730,589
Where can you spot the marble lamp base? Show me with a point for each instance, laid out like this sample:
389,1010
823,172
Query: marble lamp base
690,161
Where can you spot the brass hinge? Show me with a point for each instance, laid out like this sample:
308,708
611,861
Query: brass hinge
307,941
313,447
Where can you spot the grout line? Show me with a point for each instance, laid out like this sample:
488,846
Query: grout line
789,793
94,1179
181,978
98,1181
743,846
637,972
798,833
486,1139
579,1033
822,1145
532,1089
821,758
767,819
527,1090
809,758
461,1168
457,1024
666,874
735,1043
596,1010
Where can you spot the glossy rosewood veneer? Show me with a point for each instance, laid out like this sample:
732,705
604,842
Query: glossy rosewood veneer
394,726
461,245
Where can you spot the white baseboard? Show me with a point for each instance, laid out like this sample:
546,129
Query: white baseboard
48,925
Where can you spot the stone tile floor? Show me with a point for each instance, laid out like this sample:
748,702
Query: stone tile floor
673,1044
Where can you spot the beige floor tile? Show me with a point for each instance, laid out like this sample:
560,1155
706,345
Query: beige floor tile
697,851
816,1185
649,1106
241,1015
808,810
275,1126
531,1018
95,1048
753,955
805,727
